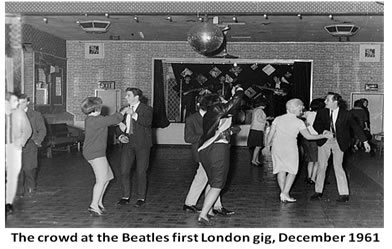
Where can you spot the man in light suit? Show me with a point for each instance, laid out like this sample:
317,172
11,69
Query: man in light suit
27,177
339,121
18,131
136,138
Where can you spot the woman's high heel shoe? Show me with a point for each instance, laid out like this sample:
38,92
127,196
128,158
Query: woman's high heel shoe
285,198
94,212
102,208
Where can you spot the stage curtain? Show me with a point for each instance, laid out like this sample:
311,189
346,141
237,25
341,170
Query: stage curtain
159,116
301,82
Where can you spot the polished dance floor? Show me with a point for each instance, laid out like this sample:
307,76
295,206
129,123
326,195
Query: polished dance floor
65,184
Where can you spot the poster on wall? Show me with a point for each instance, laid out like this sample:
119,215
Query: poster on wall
369,53
94,50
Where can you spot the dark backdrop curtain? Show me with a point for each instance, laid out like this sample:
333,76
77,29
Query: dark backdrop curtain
301,82
159,115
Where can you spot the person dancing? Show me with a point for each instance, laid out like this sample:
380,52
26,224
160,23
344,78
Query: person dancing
283,139
192,133
214,149
94,148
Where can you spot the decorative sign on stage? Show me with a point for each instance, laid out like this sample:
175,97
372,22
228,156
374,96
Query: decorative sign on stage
371,87
106,84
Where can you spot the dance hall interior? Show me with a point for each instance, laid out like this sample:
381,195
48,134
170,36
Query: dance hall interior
66,56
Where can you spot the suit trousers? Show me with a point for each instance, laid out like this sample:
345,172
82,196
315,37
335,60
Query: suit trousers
13,164
27,176
324,153
198,185
129,155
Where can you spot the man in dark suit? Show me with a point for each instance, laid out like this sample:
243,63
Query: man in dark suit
27,176
136,138
339,121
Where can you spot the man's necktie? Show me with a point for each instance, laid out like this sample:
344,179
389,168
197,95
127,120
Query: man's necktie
131,122
332,127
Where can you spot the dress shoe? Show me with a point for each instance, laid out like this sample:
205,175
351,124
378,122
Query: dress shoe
139,203
223,211
192,208
9,209
204,222
123,201
343,198
316,196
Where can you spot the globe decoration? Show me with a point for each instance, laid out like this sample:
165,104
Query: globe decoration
205,38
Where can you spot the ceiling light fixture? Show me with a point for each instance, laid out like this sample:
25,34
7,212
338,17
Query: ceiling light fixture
200,19
330,17
235,19
136,18
265,16
45,19
299,16
169,18
341,30
107,15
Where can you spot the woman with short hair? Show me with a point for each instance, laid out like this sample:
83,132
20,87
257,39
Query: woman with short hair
94,148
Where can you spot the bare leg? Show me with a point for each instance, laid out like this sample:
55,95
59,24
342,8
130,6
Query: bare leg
255,158
281,177
209,200
289,182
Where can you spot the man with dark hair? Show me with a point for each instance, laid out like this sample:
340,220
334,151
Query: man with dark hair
192,133
338,121
136,138
27,177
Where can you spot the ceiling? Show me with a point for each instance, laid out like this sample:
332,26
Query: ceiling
282,23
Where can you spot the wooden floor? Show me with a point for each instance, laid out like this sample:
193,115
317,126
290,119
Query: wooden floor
65,183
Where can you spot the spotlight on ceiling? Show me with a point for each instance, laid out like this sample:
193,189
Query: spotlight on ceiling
200,19
235,19
136,18
299,16
45,19
265,16
107,15
169,18
330,17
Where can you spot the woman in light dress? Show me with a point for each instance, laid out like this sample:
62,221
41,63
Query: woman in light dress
283,140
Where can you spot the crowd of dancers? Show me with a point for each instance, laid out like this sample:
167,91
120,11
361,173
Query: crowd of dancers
326,128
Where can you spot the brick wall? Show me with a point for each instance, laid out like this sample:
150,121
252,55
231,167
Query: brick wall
336,66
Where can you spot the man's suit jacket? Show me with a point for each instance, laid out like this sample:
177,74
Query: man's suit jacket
344,122
193,131
39,129
142,134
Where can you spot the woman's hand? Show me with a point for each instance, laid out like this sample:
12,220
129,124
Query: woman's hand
327,134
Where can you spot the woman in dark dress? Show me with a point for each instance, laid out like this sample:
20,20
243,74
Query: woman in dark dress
94,148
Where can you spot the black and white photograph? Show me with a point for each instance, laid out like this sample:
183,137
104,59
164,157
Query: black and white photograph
248,123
